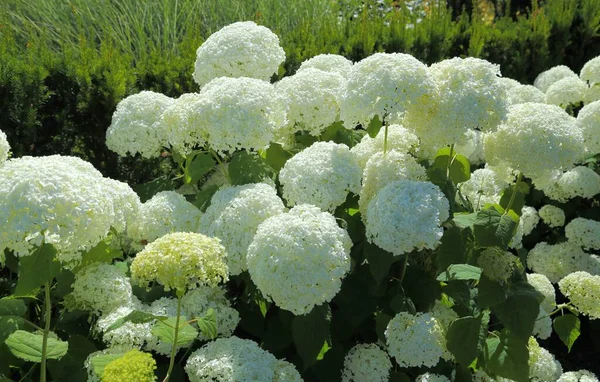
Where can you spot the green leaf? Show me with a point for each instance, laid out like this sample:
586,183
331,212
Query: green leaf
247,168
101,253
380,261
490,292
204,197
12,307
196,166
37,269
493,228
520,309
339,134
147,190
466,337
208,324
460,272
99,362
507,357
568,328
310,332
165,331
519,201
69,367
465,220
456,168
28,346
276,156
374,127
453,248
136,317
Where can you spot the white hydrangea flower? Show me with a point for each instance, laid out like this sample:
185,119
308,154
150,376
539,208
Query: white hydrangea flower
366,362
484,187
136,125
542,327
234,215
552,215
525,93
530,219
286,372
166,212
588,120
416,340
299,258
399,139
584,232
312,98
384,85
242,49
565,92
592,94
535,130
4,147
430,377
578,376
322,175
508,83
129,334
443,314
543,367
580,181
240,113
546,78
542,284
583,290
184,124
382,169
100,288
62,201
232,360
558,260
328,63
591,71
406,215
197,302
472,147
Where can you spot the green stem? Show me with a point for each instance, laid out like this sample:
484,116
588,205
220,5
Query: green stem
512,196
450,160
175,338
385,139
48,305
404,268
225,173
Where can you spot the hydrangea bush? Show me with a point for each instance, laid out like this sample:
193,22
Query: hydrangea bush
382,220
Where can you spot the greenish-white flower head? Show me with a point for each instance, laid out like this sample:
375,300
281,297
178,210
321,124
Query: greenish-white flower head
583,291
546,78
578,376
558,260
406,215
4,147
283,371
524,93
129,335
565,92
591,71
542,327
133,366
543,366
484,187
333,63
498,264
298,259
184,124
508,83
472,147
181,261
234,215
588,120
584,232
553,216
580,181
242,49
366,362
322,175
543,285
430,377
136,125
399,139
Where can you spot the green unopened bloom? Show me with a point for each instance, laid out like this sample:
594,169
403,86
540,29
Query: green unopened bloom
134,366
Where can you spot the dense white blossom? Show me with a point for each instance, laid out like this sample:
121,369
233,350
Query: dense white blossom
542,327
508,83
591,71
592,93
565,92
242,49
430,377
580,181
535,130
322,175
529,218
197,301
184,124
578,376
472,147
552,215
543,367
286,372
558,260
584,232
384,85
129,334
524,93
136,125
240,113
443,314
484,187
588,120
399,139
546,78
366,362
4,147
583,290
328,63
298,258
406,215
543,285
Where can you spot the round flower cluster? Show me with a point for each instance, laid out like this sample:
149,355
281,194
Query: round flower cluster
298,258
333,63
181,261
592,94
543,367
399,139
133,366
543,285
241,49
584,232
235,360
508,83
557,261
184,125
524,93
136,125
197,302
416,340
583,290
591,71
497,264
535,130
234,215
286,372
472,147
322,175
240,113
91,372
580,181
166,212
552,215
546,78
384,168
312,99
565,92
366,362
588,120
384,85
484,187
429,377
406,215
578,376
129,334
529,219
99,288
62,201
4,147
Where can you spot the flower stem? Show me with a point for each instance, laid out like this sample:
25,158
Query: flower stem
404,268
48,305
174,348
385,139
512,196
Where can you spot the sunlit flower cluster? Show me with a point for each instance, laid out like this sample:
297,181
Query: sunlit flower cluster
366,362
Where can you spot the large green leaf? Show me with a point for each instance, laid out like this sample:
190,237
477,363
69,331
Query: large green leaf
494,228
466,337
310,333
204,197
147,190
165,331
380,261
208,324
519,200
101,253
196,166
508,357
568,328
453,248
247,168
520,309
374,127
28,346
69,367
37,269
276,156
100,361
12,307
449,165
460,272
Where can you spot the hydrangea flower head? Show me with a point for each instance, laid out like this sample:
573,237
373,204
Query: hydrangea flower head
366,362
591,71
4,147
525,93
430,377
328,63
484,187
399,139
584,232
565,92
588,120
543,285
242,49
558,260
543,367
583,290
128,335
497,264
578,376
134,366
298,258
184,124
546,78
196,303
552,215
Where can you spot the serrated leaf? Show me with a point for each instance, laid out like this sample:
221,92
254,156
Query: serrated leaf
507,357
99,362
208,324
68,368
520,309
310,332
374,127
466,336
12,307
135,317
28,346
165,331
568,328
519,201
247,168
37,269
493,228
460,272
465,220
196,166
276,156
490,292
